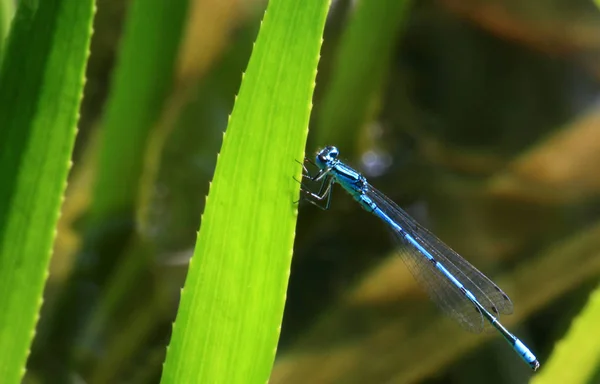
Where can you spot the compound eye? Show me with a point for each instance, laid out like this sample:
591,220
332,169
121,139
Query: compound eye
333,152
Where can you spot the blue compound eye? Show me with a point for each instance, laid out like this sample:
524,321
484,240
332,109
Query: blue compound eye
327,155
333,152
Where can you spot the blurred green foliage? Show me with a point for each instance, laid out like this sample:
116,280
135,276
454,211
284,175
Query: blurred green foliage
478,116
6,15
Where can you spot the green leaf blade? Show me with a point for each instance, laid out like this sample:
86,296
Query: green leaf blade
231,308
143,78
41,84
373,31
6,14
577,357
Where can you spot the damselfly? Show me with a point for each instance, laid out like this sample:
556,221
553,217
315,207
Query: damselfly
457,287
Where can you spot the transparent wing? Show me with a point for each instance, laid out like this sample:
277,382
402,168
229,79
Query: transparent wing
487,293
441,290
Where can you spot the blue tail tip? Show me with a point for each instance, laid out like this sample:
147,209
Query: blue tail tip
535,365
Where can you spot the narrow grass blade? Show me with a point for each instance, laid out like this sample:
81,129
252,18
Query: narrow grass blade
576,358
231,308
6,15
361,64
142,79
41,84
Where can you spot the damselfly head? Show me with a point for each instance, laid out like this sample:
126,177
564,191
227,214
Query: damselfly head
326,156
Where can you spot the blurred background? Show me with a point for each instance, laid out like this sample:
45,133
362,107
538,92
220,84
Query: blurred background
480,117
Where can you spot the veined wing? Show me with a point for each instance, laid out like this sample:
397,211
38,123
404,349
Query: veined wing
442,291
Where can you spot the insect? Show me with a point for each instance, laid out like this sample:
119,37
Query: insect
457,287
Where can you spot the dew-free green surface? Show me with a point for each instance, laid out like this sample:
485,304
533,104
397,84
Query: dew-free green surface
373,31
41,84
6,14
142,78
576,358
231,308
